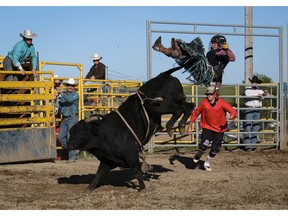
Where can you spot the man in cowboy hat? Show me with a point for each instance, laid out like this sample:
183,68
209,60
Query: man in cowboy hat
253,102
98,70
68,106
213,123
22,50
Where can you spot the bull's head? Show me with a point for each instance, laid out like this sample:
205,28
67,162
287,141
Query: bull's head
83,133
77,135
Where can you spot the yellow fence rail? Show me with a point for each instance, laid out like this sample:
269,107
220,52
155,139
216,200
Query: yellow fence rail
102,96
27,122
27,102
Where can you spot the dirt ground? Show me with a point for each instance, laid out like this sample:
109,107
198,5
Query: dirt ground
239,180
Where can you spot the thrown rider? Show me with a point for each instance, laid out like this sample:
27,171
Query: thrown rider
204,69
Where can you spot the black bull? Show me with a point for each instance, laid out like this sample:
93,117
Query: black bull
117,138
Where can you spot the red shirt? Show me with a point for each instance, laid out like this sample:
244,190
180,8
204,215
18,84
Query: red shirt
213,118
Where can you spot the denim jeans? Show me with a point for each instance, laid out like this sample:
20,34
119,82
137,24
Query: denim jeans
251,138
64,135
8,66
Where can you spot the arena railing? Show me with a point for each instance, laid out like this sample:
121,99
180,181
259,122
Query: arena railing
27,123
268,135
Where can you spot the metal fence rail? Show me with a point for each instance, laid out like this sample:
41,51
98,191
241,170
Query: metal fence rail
269,134
102,96
189,28
27,122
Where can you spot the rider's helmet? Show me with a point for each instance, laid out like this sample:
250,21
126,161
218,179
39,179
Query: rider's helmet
219,39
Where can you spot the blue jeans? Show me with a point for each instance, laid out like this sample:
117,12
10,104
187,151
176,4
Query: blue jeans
64,135
8,66
251,138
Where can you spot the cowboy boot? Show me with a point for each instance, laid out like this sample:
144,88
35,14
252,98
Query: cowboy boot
176,51
157,44
160,48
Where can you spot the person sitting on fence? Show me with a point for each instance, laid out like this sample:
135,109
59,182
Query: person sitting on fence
21,51
97,71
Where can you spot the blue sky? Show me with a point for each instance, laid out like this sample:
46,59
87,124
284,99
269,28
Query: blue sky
72,34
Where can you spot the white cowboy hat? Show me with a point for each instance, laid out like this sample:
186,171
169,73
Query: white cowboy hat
96,56
56,80
28,34
71,82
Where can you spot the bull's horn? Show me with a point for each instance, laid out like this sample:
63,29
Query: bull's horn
170,132
93,118
158,99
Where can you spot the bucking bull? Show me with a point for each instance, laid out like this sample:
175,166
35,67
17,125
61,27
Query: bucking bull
117,138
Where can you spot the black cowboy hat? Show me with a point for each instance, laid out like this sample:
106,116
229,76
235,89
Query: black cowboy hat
255,79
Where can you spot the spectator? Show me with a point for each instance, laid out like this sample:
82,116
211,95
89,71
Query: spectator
57,95
254,103
68,105
22,50
218,57
98,70
213,123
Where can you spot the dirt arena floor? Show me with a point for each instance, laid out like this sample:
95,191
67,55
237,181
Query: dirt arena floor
239,181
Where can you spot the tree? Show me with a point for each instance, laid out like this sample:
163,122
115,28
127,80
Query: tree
264,78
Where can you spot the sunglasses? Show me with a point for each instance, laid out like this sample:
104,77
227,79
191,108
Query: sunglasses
209,94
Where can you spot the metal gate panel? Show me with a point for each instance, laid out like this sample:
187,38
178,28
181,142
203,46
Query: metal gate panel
27,144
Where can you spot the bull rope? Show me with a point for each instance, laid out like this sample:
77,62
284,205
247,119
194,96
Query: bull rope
126,123
141,154
146,114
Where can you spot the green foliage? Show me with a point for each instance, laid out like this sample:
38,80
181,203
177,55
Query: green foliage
264,78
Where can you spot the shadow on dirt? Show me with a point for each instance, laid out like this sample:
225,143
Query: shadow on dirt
187,162
118,178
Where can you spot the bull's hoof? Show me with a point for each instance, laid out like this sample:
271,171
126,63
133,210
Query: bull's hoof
91,187
141,188
144,167
182,131
170,132
160,128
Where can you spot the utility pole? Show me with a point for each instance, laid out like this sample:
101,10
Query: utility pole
248,44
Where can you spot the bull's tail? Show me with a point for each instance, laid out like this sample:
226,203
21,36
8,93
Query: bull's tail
172,70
